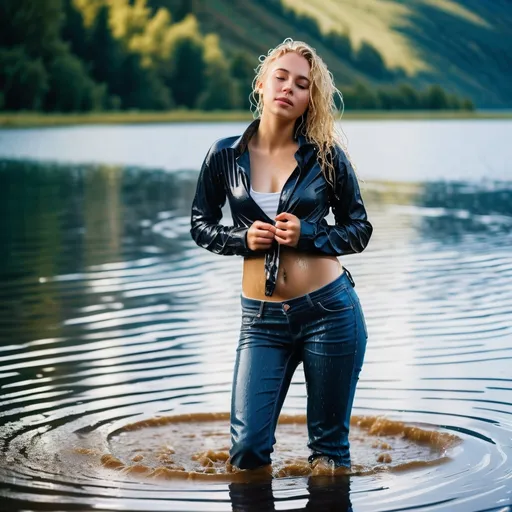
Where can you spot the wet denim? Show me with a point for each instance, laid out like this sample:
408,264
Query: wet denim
326,331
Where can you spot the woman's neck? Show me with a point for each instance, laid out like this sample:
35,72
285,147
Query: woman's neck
273,135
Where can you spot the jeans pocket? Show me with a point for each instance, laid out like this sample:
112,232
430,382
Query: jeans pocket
249,318
337,302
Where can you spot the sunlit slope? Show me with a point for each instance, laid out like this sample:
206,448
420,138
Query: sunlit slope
464,45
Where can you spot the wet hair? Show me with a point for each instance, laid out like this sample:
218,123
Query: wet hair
318,123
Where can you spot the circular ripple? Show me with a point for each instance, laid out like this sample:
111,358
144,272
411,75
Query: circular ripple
197,445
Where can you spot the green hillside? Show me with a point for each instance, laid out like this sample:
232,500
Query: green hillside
465,46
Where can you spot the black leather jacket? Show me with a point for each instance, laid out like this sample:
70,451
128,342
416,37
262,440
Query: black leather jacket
225,173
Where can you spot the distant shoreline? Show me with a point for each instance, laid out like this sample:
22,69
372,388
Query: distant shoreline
32,120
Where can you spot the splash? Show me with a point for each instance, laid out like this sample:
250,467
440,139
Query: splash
196,446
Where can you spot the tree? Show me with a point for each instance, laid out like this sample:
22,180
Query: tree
23,80
152,44
241,69
71,89
467,104
106,53
33,24
360,97
144,89
221,92
184,71
435,98
73,30
128,18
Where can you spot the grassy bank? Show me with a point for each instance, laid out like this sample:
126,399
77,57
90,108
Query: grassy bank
31,119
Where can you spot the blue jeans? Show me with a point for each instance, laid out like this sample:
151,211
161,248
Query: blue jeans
326,331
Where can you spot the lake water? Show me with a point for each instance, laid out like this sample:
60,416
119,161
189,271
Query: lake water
107,318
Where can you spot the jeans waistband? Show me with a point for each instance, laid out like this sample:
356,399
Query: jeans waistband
344,280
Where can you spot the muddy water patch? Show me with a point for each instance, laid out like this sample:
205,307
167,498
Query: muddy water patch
196,446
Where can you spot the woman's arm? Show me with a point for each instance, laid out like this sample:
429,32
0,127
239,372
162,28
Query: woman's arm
206,213
352,230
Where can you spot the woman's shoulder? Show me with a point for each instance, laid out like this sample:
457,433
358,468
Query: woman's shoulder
223,143
337,151
340,157
217,147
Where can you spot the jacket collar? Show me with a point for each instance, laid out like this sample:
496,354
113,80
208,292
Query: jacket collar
240,144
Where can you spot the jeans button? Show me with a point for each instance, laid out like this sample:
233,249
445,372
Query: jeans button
286,307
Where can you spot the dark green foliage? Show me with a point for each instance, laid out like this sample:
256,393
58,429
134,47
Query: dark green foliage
178,8
23,80
243,70
34,24
187,78
74,32
71,89
402,97
106,55
369,60
221,92
435,98
142,88
340,44
360,97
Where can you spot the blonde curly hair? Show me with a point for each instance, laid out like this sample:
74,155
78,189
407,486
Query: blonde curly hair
318,123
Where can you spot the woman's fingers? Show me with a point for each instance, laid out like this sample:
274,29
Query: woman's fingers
261,233
264,226
263,241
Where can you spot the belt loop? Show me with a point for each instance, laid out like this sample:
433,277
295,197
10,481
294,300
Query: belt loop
349,275
310,301
260,311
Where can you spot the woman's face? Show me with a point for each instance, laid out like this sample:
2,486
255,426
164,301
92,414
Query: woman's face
286,86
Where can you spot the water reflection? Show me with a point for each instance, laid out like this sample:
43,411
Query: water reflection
103,216
326,493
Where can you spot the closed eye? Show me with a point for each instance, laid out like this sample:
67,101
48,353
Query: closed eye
299,86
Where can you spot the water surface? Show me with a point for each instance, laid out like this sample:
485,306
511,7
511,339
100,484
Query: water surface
110,314
419,150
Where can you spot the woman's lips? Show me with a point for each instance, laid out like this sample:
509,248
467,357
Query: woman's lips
283,102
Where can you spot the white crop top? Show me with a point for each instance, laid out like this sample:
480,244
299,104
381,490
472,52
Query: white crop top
267,201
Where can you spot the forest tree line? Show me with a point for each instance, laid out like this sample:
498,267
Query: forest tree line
94,55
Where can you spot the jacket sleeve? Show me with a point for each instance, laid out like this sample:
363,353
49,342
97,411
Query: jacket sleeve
206,213
352,230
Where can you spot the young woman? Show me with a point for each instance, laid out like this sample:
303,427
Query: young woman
281,176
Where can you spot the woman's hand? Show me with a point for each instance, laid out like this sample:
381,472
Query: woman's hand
287,229
260,235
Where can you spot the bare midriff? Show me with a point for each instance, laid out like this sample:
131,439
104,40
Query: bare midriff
299,273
